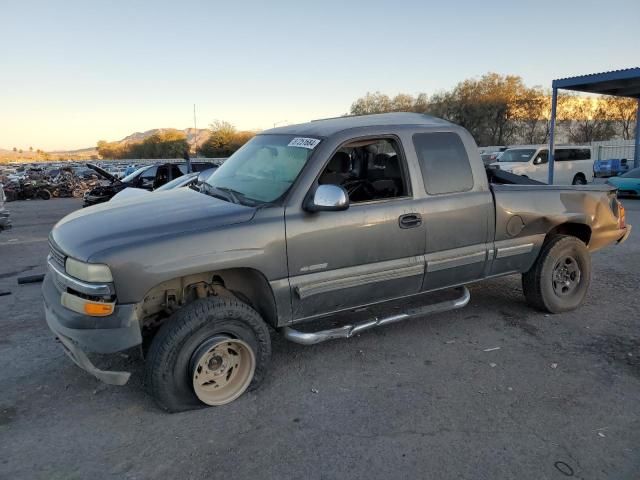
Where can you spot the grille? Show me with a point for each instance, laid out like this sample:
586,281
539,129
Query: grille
56,255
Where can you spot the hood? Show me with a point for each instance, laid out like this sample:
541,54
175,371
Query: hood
114,225
622,180
129,193
102,172
509,165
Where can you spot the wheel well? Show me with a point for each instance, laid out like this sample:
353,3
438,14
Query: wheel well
246,284
578,230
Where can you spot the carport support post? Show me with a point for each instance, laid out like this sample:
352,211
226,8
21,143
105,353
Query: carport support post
552,127
636,151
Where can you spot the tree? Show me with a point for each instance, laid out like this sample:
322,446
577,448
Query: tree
502,110
590,120
624,111
15,149
31,149
224,140
381,103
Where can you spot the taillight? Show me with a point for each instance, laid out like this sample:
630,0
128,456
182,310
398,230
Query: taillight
622,220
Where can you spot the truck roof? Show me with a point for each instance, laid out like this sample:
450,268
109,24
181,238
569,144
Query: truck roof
331,126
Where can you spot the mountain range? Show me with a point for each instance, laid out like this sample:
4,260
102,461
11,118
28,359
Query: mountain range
202,134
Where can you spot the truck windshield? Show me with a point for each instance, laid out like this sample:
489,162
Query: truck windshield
263,169
517,155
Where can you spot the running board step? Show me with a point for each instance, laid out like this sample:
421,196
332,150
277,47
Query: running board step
347,331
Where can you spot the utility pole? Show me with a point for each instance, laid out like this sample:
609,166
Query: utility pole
195,128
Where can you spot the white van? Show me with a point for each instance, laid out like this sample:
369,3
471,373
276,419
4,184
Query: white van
573,163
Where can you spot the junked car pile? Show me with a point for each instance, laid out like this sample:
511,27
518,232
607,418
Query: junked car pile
146,178
91,182
44,183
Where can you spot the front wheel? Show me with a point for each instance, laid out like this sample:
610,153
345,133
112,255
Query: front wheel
559,279
209,352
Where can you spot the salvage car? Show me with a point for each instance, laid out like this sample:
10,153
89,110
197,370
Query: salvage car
148,177
186,180
5,220
628,183
305,222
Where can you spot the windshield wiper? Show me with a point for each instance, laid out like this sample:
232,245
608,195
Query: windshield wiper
240,196
217,193
233,194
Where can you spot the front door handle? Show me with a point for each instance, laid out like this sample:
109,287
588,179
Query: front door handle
410,220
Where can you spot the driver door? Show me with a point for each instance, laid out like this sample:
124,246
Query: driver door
370,252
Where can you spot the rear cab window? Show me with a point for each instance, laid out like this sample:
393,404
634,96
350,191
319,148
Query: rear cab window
444,162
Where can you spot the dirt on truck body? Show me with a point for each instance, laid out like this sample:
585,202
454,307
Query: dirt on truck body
304,222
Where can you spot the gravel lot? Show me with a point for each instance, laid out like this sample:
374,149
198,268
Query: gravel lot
420,399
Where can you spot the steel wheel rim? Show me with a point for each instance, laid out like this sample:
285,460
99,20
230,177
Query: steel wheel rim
566,276
222,369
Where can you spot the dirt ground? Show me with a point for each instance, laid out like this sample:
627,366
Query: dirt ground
558,399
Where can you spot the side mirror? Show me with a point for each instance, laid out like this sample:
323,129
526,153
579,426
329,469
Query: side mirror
328,198
537,161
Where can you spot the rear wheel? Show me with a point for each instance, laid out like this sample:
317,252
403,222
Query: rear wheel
579,180
209,352
559,279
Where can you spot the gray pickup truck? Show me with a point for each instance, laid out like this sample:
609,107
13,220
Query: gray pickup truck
303,223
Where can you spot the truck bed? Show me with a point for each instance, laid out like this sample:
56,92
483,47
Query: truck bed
534,210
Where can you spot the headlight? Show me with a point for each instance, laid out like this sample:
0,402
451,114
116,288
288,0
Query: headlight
89,272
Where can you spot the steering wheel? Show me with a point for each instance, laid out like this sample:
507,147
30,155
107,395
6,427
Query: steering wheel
359,185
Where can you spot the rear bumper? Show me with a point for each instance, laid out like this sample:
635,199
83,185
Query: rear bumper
626,234
601,239
79,333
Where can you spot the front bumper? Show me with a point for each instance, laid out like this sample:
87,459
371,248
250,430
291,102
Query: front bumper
77,332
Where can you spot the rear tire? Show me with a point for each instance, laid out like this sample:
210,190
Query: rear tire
559,279
579,180
180,348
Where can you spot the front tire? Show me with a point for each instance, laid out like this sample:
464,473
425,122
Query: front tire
559,279
208,353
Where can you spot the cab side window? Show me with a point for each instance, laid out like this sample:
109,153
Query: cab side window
147,178
162,177
563,155
175,171
444,162
369,170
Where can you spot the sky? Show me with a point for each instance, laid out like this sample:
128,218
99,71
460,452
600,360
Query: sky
74,72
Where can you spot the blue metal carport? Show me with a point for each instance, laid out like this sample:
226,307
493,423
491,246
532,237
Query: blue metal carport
619,83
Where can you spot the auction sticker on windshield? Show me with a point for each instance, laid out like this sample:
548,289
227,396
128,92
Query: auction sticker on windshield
304,142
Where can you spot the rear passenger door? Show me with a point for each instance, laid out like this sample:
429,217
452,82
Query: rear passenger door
457,210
